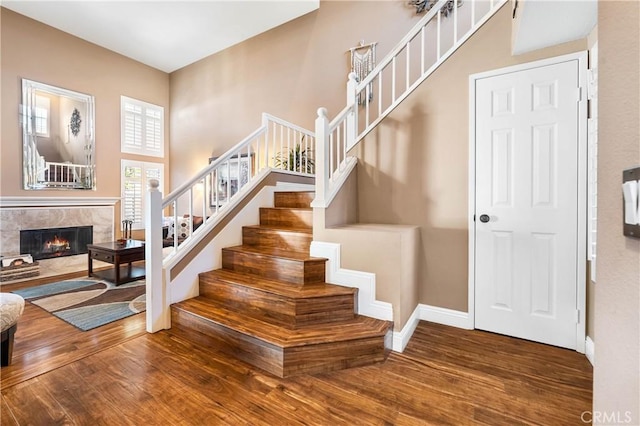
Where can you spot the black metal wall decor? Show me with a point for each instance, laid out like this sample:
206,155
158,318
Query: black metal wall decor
74,124
427,5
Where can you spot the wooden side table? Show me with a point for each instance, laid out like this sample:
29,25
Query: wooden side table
117,254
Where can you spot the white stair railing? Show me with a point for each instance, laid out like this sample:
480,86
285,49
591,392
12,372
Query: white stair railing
63,174
276,144
425,47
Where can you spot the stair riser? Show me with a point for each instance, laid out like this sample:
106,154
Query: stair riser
242,346
281,362
284,240
281,310
285,270
286,218
333,356
293,199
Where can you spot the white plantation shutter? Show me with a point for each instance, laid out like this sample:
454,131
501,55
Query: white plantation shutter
41,116
135,175
142,127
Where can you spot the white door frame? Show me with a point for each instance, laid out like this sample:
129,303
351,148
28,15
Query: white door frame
581,283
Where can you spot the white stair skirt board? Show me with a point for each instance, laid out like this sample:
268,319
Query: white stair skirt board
365,282
590,350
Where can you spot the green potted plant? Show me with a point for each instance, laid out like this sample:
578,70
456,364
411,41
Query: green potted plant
297,159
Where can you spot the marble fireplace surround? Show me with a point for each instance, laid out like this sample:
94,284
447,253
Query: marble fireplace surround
19,213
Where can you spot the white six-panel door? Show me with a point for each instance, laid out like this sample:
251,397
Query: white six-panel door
527,203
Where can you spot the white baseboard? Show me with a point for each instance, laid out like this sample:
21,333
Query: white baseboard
365,282
590,350
401,338
446,316
432,314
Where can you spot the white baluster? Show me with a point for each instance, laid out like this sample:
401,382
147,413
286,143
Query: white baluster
393,80
422,51
352,119
190,209
204,198
408,49
455,22
367,94
473,14
438,37
331,157
379,94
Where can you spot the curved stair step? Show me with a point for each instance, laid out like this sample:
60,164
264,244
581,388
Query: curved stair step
276,264
288,306
282,351
290,239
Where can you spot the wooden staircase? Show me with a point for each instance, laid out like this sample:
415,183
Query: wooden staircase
269,305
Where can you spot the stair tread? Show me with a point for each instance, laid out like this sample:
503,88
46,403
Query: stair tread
359,328
273,252
276,287
304,209
280,228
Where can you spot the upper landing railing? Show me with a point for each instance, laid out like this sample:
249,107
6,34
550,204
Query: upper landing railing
447,25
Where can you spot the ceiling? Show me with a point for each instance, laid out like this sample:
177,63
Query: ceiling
168,34
547,23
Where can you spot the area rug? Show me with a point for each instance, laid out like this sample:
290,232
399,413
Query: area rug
88,303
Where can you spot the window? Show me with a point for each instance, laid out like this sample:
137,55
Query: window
142,127
135,178
41,116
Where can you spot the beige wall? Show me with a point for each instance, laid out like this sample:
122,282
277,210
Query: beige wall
388,251
617,319
38,52
413,169
288,72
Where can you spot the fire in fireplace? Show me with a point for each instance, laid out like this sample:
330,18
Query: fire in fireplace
57,245
55,242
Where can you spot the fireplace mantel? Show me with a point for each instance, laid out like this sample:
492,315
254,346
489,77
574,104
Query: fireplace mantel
57,201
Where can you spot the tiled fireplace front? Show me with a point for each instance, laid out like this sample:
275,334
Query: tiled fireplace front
15,219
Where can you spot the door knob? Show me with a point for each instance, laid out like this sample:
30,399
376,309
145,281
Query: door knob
484,218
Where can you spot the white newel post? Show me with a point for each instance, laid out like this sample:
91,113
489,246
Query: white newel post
322,158
156,294
352,118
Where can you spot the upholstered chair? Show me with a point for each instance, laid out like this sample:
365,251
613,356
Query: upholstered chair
11,307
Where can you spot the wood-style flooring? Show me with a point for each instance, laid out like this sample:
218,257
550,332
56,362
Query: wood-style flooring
119,375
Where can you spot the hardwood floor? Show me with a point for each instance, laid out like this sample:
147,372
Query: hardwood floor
120,375
44,343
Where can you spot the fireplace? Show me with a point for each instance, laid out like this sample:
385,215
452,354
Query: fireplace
55,242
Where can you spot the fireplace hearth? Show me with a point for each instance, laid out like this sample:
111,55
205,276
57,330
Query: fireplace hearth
55,242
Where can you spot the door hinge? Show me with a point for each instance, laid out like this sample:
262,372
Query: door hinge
580,93
577,316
